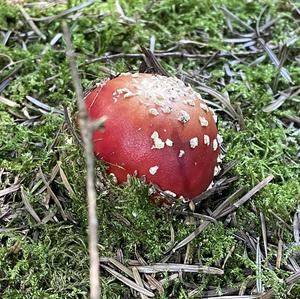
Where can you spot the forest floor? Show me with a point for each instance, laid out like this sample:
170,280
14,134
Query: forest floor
243,57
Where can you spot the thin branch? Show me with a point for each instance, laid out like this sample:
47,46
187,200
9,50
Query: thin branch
86,132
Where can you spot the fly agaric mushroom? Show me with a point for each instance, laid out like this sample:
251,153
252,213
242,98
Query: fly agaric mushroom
156,127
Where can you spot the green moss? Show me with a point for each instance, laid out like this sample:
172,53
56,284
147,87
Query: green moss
32,271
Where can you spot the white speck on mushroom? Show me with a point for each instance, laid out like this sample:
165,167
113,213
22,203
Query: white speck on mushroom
217,170
198,95
169,142
195,163
166,109
122,90
181,153
190,102
215,144
153,170
206,139
153,111
203,121
183,117
219,139
210,186
215,117
154,135
158,143
168,192
135,75
194,142
204,107
139,129
128,95
219,159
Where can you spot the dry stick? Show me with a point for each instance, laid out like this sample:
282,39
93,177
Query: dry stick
86,132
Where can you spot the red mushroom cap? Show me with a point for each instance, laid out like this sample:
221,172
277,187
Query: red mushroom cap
156,127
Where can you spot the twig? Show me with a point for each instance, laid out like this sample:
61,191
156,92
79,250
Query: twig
86,133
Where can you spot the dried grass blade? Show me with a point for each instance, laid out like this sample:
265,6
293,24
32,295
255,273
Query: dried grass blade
54,172
29,207
153,63
294,119
64,178
9,190
229,254
155,284
32,24
294,264
235,18
219,210
128,282
222,99
296,223
276,103
65,12
279,254
43,106
247,196
63,214
167,280
121,267
283,71
170,267
264,232
259,287
192,236
138,280
203,225
8,102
